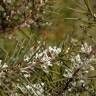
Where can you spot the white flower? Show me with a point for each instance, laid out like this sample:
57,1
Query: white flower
86,71
70,89
68,75
77,57
50,48
82,81
40,55
85,48
29,87
54,50
74,83
58,50
5,65
67,50
0,62
92,68
39,88
49,63
37,55
94,15
26,58
26,75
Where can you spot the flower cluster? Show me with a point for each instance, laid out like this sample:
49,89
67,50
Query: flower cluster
75,76
36,88
43,58
81,68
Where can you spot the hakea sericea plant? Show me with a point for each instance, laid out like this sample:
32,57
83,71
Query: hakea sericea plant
49,71
17,14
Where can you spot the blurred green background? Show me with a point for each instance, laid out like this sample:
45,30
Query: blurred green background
57,30
52,34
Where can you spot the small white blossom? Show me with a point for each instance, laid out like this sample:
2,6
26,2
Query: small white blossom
70,89
49,63
74,83
92,68
54,50
86,71
5,65
29,87
0,62
26,75
67,50
82,81
68,75
39,88
94,15
77,57
26,58
85,48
